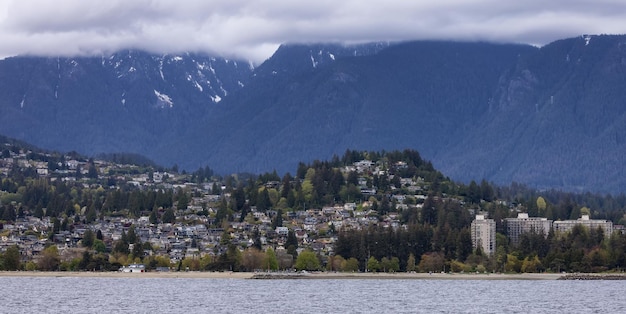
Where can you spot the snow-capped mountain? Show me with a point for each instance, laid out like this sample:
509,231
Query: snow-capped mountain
550,117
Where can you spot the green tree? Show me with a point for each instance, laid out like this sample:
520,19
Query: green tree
307,260
92,171
215,189
463,245
486,191
278,220
91,214
182,200
131,236
99,246
121,245
286,185
394,265
12,259
85,260
585,211
231,260
270,261
513,264
372,264
9,213
88,238
531,265
168,216
138,250
263,202
410,263
474,193
56,225
238,198
50,259
153,217
350,265
384,264
541,204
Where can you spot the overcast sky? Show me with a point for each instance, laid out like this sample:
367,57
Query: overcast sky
253,29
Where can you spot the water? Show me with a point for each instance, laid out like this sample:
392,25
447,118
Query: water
159,295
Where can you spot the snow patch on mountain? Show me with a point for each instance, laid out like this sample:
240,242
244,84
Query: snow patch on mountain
198,86
161,69
216,99
163,100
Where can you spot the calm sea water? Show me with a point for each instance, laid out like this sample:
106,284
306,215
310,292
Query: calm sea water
157,295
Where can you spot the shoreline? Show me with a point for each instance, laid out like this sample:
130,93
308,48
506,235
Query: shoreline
279,276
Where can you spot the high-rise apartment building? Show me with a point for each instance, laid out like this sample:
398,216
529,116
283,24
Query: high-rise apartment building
484,234
524,224
567,225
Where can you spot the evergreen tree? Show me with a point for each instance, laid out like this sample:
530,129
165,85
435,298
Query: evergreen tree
91,214
263,202
88,238
92,171
410,263
256,235
239,198
168,216
286,185
216,190
464,245
153,217
138,250
131,236
278,220
11,258
291,239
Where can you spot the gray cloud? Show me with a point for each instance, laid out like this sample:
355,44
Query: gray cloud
253,29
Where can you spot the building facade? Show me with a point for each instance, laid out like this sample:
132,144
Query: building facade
484,234
515,227
567,225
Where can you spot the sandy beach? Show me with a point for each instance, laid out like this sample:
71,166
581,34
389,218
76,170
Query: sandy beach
316,275
116,274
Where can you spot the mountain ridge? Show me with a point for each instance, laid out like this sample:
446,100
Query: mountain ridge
549,117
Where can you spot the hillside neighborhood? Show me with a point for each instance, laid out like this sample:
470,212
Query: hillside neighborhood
204,227
193,235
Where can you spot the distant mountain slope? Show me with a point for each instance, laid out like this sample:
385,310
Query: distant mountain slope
557,120
420,95
548,117
130,101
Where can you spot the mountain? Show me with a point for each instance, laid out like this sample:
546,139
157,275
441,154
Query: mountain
549,117
130,101
420,95
558,119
